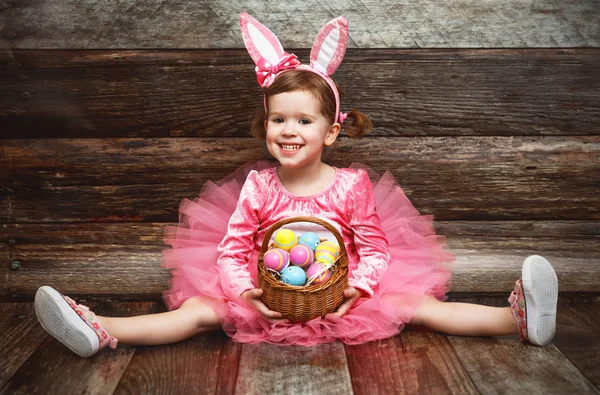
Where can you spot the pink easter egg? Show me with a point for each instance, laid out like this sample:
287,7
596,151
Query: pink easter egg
302,255
276,259
318,268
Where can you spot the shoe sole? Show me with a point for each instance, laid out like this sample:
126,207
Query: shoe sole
540,288
59,319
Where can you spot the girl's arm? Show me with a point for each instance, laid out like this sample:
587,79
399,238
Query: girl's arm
238,244
371,243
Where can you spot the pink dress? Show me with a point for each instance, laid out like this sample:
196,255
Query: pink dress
216,245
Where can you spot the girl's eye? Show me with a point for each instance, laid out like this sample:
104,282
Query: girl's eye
277,120
305,122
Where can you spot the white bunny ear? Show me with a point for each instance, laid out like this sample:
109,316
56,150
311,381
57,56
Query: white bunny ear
330,46
259,40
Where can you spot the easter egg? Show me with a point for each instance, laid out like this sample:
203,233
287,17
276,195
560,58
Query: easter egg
310,239
302,255
325,256
276,259
293,275
329,246
285,239
318,270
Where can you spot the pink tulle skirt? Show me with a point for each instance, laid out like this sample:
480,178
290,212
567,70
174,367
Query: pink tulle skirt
420,266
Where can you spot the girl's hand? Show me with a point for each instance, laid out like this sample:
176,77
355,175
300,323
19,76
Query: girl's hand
252,296
352,295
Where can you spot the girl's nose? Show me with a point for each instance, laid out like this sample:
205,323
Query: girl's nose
289,129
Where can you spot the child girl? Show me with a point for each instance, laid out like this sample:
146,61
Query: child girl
398,269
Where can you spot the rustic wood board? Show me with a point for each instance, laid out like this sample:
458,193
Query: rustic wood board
127,256
160,93
273,369
563,230
458,178
411,363
499,366
505,365
55,369
497,270
205,364
576,331
215,24
87,270
577,334
555,246
21,336
552,235
124,233
482,265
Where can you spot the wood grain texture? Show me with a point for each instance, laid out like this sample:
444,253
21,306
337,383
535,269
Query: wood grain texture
505,365
205,364
86,270
215,24
489,270
460,178
577,323
117,258
21,336
577,334
53,368
553,235
213,93
105,269
411,363
272,369
529,229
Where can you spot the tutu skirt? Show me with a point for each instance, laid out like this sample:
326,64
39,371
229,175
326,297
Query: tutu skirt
420,266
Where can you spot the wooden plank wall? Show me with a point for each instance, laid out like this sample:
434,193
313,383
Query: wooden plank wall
488,114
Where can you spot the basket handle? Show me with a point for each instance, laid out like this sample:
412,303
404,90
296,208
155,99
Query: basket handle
290,220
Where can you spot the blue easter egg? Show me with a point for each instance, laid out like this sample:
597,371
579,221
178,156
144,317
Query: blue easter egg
293,275
309,239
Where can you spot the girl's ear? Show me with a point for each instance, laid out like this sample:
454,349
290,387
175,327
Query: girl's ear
330,46
259,40
332,134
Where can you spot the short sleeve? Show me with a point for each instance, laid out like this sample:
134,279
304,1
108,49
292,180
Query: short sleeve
237,245
369,238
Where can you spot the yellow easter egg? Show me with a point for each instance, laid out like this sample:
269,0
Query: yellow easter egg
285,239
328,246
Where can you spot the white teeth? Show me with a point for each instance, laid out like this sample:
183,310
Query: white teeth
290,147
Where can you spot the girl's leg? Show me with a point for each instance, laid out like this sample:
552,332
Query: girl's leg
532,314
192,318
465,319
84,333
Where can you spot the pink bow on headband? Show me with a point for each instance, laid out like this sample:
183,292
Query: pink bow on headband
266,72
325,56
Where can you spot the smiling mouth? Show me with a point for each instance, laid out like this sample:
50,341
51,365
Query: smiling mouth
290,147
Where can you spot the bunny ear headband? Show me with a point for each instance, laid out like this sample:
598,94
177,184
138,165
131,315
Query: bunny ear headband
271,60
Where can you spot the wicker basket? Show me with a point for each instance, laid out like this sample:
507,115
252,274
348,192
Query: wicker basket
307,302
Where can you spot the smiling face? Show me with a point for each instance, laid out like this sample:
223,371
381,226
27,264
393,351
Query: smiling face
297,131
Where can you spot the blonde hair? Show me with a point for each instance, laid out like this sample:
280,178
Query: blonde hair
355,126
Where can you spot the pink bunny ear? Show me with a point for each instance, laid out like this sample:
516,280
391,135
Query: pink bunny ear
259,40
330,46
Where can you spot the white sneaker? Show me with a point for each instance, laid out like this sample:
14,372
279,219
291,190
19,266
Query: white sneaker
533,302
72,324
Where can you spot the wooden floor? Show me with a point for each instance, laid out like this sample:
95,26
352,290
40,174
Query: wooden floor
414,362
